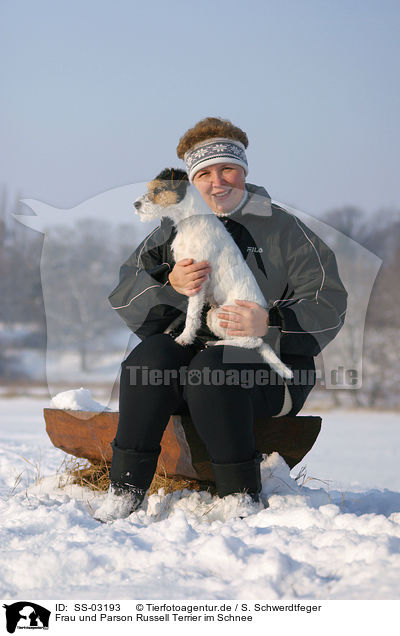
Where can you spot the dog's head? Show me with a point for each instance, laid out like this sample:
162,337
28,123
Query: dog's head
166,190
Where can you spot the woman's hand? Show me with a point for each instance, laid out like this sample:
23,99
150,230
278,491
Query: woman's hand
244,319
187,277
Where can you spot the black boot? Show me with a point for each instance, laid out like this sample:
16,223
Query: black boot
243,477
131,474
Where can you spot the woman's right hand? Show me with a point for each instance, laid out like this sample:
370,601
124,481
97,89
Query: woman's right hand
187,277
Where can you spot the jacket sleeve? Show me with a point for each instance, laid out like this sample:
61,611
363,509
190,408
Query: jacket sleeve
144,298
314,307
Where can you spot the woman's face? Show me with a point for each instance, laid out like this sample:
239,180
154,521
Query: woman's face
221,186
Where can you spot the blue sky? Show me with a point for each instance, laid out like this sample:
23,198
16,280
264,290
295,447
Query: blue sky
96,94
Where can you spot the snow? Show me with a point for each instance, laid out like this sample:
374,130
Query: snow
357,449
77,400
338,538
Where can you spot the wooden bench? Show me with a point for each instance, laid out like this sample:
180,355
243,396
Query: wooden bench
88,435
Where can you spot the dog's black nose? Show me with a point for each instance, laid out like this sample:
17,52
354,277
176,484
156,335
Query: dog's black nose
138,205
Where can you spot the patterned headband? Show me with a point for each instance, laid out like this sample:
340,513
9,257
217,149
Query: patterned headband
212,151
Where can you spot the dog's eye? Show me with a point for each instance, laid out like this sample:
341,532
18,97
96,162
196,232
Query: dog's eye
158,190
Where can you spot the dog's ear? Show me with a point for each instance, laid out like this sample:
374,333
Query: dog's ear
175,175
172,180
180,182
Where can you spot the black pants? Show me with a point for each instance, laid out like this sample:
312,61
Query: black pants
223,397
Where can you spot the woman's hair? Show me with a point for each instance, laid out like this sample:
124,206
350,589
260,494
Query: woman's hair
207,129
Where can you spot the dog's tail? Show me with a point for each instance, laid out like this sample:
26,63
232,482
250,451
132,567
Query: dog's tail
270,357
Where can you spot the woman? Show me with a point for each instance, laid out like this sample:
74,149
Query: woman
298,276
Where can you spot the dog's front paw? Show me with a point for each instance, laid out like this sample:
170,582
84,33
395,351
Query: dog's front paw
183,339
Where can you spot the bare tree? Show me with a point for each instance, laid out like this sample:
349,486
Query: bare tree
78,277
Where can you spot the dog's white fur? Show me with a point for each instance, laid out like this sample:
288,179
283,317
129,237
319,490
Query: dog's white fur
201,236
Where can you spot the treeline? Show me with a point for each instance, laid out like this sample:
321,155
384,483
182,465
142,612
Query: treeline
380,234
76,267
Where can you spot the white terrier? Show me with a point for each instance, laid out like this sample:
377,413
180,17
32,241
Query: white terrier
202,236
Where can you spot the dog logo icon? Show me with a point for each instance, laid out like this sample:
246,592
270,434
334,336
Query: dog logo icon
26,615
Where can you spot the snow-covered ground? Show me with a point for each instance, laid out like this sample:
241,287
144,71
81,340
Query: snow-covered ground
333,539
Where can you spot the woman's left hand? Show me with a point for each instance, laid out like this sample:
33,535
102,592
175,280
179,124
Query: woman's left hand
244,319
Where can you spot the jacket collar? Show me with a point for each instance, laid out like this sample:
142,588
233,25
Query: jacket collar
258,203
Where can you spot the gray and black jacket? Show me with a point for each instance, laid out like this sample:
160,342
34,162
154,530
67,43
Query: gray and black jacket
295,270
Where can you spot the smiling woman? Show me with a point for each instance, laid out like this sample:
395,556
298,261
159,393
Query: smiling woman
221,186
214,154
303,309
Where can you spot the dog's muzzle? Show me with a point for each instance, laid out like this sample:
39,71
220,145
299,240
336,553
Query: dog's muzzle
138,205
